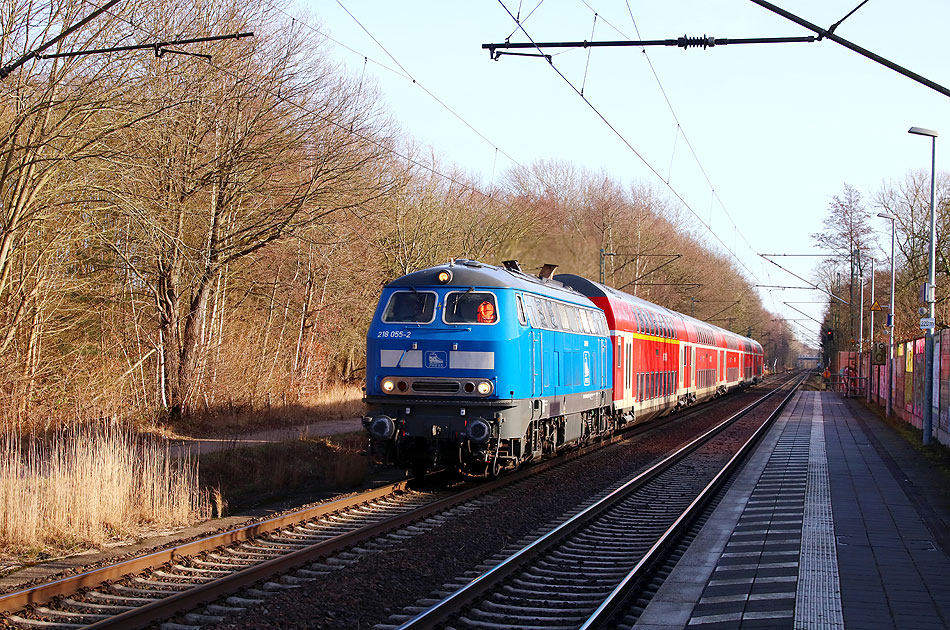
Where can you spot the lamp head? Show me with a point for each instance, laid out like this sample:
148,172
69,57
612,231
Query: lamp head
920,131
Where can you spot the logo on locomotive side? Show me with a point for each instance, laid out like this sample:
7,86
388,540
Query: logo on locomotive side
435,359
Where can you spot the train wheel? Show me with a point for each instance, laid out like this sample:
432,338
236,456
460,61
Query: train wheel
418,469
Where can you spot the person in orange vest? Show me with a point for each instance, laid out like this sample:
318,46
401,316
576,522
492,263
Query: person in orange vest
826,375
486,313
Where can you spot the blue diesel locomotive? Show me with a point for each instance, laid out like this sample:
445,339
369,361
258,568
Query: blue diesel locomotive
480,368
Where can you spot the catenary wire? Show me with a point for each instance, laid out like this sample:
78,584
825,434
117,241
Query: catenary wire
680,129
714,195
676,120
630,146
325,119
403,72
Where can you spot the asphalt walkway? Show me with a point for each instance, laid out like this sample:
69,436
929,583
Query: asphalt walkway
317,429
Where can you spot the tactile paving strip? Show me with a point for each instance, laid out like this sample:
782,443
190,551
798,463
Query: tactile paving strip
818,599
756,578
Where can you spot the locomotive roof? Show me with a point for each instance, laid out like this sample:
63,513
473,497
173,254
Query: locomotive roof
471,273
595,289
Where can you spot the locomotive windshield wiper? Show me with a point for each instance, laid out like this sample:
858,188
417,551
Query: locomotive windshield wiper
455,307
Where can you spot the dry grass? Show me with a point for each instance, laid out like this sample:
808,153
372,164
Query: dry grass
333,402
250,475
86,485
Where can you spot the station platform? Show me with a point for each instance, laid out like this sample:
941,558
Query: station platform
834,522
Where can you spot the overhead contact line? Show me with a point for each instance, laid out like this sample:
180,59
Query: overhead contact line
683,42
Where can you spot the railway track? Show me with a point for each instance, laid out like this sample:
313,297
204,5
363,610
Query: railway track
579,574
197,580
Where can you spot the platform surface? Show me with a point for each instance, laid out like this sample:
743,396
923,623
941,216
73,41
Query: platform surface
833,523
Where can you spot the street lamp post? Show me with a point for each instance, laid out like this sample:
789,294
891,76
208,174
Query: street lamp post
890,320
871,335
929,292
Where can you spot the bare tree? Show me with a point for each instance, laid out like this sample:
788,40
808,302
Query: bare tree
53,116
848,236
263,142
909,201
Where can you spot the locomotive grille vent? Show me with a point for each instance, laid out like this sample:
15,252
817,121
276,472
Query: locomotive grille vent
435,387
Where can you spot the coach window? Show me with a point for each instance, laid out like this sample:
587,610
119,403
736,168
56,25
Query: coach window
410,307
473,307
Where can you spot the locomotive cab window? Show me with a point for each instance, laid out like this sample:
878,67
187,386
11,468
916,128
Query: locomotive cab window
471,307
410,307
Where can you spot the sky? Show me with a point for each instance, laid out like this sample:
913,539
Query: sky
753,139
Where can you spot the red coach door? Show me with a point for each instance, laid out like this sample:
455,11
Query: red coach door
686,364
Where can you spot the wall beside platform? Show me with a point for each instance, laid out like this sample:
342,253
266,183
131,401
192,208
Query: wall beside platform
909,383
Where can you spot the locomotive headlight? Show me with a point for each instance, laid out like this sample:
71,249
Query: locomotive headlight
388,385
444,276
485,388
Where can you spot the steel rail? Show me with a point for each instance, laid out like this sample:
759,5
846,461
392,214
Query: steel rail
185,600
444,609
616,598
45,592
